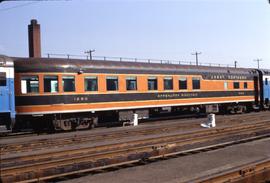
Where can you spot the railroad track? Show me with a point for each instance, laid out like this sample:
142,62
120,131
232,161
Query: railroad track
50,165
30,132
79,138
258,171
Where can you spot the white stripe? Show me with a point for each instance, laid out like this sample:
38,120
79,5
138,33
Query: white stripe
9,72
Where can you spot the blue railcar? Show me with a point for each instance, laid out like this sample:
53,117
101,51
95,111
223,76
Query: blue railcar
266,86
7,94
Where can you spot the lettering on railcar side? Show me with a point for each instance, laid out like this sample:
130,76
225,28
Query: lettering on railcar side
80,99
226,77
176,95
241,93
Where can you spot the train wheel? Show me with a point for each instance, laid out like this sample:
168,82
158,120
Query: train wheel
85,125
65,125
94,122
238,110
93,125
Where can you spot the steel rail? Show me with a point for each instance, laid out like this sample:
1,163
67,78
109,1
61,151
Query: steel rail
257,171
139,142
39,144
108,157
179,153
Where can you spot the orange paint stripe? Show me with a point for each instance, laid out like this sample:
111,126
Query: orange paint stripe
93,106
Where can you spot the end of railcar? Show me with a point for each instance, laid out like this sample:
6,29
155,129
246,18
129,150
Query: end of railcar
7,96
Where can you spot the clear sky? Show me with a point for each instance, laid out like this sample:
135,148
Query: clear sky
223,30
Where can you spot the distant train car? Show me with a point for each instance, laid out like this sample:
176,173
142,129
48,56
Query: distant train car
71,94
7,96
264,80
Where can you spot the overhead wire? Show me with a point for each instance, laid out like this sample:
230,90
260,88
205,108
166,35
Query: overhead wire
30,2
17,6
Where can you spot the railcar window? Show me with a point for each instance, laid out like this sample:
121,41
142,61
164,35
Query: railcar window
3,80
112,83
266,81
51,84
182,83
196,83
131,83
236,85
226,85
68,83
152,83
168,83
90,83
29,84
245,85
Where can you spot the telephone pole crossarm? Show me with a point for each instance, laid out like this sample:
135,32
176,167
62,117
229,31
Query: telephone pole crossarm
258,61
197,59
235,64
90,53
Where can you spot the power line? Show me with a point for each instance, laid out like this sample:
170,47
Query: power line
25,4
17,6
31,0
196,54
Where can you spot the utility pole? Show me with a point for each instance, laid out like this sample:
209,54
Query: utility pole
235,64
90,53
258,61
196,54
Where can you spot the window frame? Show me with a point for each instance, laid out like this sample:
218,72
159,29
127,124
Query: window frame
226,85
63,83
235,84
56,80
29,76
168,78
131,78
91,77
3,79
112,78
182,78
152,78
245,85
194,79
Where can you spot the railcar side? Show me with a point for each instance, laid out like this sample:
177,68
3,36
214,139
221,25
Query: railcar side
77,94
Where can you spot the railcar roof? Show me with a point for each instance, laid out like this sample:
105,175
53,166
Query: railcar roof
6,61
74,65
265,71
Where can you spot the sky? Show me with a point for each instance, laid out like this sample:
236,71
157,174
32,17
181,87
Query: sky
222,30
